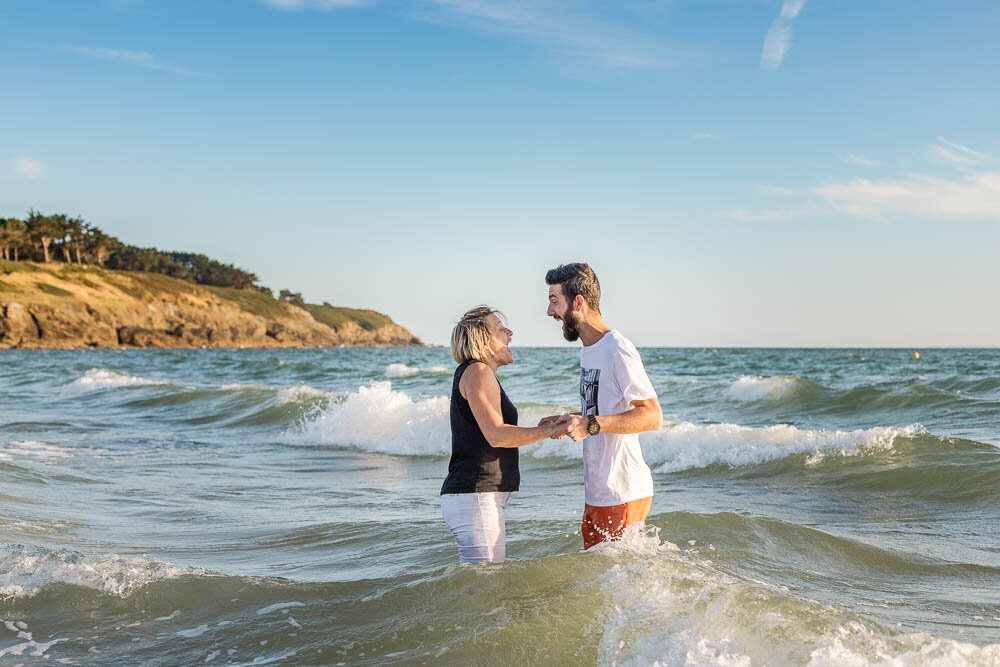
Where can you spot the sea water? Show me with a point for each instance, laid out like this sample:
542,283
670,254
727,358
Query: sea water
812,507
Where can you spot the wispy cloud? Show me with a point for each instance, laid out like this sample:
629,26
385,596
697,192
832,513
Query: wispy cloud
294,5
29,168
958,155
859,160
779,38
553,24
972,194
974,197
137,58
702,136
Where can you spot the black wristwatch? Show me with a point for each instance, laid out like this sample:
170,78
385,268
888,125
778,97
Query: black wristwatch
593,428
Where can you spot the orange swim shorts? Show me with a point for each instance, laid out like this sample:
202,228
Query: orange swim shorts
606,524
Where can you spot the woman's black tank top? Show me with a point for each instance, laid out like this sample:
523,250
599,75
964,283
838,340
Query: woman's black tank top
475,466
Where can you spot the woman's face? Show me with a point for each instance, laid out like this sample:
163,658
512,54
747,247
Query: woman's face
500,341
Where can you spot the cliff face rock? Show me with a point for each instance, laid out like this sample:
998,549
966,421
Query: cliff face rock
17,325
46,306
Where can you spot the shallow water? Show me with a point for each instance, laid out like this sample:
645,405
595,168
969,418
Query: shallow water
251,506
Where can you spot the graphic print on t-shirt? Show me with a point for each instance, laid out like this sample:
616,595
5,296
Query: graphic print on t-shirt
590,380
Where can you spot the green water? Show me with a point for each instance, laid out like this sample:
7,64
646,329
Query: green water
248,506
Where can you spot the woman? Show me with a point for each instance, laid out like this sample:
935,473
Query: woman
483,469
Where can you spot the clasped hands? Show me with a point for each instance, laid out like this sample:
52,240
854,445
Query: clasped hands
574,426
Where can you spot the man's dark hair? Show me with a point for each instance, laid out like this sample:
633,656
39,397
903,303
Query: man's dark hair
577,278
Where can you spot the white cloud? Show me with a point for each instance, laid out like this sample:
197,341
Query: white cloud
970,195
703,135
28,168
137,58
551,23
791,8
312,4
860,160
957,154
779,38
973,197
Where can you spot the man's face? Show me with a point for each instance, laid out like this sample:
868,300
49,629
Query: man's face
559,309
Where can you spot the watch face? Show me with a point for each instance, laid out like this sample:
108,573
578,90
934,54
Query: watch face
593,428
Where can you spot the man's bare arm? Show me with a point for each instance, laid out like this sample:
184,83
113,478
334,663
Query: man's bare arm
644,415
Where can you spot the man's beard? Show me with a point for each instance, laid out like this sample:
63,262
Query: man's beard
571,326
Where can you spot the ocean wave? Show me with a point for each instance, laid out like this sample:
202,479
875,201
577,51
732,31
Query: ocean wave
376,418
242,386
41,452
404,371
300,393
106,378
25,570
687,446
756,388
640,601
673,607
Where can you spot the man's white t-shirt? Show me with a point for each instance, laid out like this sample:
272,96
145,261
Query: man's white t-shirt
611,377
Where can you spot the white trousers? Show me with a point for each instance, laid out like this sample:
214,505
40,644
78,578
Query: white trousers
476,521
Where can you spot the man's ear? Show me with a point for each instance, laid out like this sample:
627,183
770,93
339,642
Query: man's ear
578,302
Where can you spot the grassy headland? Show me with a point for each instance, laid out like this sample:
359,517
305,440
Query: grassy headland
66,305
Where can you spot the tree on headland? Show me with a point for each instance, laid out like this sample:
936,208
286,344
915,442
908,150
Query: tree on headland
46,237
292,297
207,271
98,245
60,235
76,231
42,229
13,236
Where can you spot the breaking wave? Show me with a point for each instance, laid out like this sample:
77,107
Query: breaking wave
376,418
105,378
404,371
25,570
687,446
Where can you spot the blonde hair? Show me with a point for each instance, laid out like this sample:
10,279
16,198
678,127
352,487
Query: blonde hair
470,339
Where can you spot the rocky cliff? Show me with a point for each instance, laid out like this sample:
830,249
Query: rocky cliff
71,306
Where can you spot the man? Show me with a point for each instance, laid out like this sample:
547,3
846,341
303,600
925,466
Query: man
617,402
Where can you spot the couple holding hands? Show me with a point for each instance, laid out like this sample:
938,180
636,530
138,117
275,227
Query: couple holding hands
617,403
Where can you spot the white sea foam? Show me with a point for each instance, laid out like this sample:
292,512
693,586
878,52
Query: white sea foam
34,450
193,632
378,419
105,378
673,607
41,452
279,605
37,649
24,570
404,371
175,614
859,647
755,388
686,446
300,393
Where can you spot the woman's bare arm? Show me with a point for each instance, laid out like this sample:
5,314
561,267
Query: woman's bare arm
479,386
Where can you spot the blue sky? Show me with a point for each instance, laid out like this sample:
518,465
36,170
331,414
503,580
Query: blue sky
738,172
